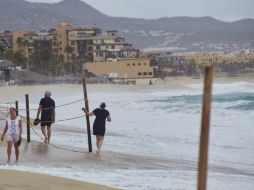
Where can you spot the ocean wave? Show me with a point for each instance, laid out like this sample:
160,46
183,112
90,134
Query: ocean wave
226,87
185,103
243,107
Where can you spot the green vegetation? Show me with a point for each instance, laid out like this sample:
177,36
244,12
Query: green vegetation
43,61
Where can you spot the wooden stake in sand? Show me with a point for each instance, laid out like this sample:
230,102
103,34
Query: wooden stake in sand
205,123
87,117
17,107
27,118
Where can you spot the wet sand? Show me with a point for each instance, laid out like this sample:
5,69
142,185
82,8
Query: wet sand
38,154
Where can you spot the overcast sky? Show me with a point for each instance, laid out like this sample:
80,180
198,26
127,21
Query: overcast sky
227,10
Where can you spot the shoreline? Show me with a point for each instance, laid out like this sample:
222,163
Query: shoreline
12,93
155,81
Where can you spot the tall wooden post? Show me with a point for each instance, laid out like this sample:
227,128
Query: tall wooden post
87,117
205,123
17,107
27,118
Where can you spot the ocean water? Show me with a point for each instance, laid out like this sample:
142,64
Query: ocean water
163,124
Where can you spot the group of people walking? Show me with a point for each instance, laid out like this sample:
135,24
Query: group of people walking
13,126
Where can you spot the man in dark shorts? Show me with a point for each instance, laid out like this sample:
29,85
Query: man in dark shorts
99,123
47,110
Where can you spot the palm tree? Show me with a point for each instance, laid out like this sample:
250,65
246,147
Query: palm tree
46,56
8,55
69,65
19,59
42,59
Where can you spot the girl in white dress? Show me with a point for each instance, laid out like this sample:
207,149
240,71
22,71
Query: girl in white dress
13,131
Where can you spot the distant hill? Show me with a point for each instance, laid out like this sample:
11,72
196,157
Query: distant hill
180,32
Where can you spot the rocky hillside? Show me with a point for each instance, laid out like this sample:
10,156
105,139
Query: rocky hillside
185,33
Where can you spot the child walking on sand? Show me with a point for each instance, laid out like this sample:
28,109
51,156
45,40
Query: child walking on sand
13,128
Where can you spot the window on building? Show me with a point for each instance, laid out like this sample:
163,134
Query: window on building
55,44
133,64
139,64
144,63
144,73
150,73
112,47
84,35
139,74
98,41
128,64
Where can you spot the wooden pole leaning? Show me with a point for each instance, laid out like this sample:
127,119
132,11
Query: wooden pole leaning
204,134
87,117
27,118
17,107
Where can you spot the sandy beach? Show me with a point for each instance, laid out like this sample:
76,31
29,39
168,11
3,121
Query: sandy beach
39,155
15,92
31,181
136,147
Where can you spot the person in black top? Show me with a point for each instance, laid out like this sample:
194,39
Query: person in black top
47,110
99,123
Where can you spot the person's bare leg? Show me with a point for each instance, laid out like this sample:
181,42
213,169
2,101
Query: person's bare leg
49,133
101,138
97,143
44,133
16,151
9,150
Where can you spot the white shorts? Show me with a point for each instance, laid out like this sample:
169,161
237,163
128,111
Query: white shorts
14,137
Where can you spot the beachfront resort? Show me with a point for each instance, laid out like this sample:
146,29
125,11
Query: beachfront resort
66,50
